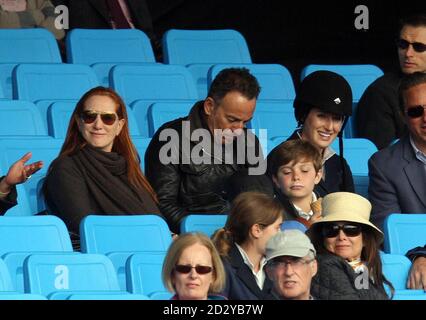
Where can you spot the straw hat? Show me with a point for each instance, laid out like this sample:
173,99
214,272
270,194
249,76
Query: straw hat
347,206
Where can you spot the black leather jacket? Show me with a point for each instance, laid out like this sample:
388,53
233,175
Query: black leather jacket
184,187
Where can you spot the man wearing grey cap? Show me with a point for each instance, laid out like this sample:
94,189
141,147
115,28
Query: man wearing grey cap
291,264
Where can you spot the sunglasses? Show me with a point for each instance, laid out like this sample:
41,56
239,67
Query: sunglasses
181,268
415,112
332,230
417,46
89,117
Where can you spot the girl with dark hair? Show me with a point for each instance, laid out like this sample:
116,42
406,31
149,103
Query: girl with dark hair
254,218
97,170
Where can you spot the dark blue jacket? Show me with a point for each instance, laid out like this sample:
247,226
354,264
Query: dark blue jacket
240,281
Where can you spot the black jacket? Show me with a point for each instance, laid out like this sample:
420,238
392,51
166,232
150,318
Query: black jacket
184,187
9,201
336,280
377,115
333,181
240,281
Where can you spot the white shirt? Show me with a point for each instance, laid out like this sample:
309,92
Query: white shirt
260,275
306,215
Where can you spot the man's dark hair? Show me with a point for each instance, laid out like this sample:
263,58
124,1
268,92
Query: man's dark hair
407,82
234,79
413,20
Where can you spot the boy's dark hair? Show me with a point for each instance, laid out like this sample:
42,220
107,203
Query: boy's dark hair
407,82
234,79
295,150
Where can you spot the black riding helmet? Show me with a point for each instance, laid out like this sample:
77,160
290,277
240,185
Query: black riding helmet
329,92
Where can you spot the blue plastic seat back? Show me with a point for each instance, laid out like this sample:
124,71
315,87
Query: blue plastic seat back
204,46
274,79
59,116
13,148
205,223
104,296
106,234
48,273
277,117
396,269
404,232
199,72
35,82
357,151
141,111
293,224
20,118
361,185
6,70
161,112
21,296
15,264
28,45
153,82
409,295
141,145
144,273
5,280
359,76
33,233
88,46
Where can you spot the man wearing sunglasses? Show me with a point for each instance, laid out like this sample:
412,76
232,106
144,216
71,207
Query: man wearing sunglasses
291,264
379,105
398,173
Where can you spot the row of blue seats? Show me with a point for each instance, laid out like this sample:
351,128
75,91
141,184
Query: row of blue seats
38,256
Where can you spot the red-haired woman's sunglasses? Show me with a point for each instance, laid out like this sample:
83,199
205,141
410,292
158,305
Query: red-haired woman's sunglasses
107,118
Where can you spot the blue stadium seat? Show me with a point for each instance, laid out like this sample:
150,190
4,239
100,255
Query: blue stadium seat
21,236
52,82
141,145
103,296
404,232
161,112
357,151
12,149
20,296
46,274
24,46
409,295
275,116
359,77
293,224
120,236
143,273
5,280
105,48
204,46
89,46
141,111
20,118
206,223
59,115
153,82
274,79
198,50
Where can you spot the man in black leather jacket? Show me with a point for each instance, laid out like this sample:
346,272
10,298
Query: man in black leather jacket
190,159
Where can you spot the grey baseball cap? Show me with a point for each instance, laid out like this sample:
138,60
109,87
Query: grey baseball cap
292,242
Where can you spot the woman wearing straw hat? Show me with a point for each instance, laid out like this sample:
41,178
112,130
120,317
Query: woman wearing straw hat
348,245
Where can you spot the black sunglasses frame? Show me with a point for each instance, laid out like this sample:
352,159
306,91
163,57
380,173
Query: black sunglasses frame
349,229
185,269
415,112
88,117
417,46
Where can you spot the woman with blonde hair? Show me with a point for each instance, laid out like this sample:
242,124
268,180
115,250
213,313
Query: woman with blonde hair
193,269
98,168
254,218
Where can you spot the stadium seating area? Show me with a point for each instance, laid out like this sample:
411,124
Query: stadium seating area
121,256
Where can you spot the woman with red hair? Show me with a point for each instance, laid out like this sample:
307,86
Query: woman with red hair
97,170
